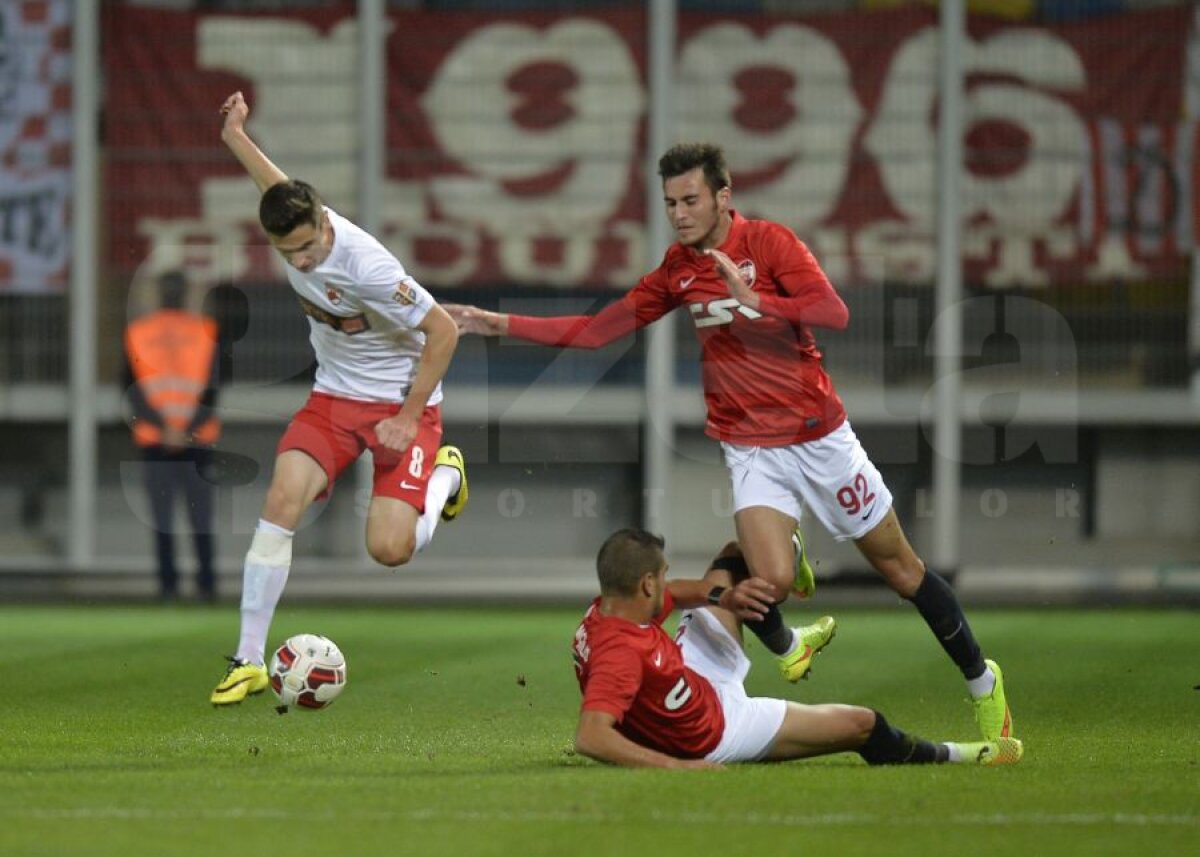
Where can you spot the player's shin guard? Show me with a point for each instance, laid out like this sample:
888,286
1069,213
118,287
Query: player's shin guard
441,485
887,745
776,636
264,576
939,607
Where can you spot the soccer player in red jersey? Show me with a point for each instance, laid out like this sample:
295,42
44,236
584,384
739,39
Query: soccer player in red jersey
652,701
754,292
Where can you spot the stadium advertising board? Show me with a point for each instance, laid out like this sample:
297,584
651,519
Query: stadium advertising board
515,141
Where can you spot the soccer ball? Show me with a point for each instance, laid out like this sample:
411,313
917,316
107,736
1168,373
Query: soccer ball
308,671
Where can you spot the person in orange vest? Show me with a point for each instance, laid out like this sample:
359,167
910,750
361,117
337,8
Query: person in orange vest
171,381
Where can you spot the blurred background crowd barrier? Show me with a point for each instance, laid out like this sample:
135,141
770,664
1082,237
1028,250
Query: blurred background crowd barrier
500,149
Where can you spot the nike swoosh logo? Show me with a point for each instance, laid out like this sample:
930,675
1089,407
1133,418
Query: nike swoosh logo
658,659
407,487
953,633
684,283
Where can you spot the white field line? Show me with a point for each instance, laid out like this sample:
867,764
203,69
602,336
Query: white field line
999,819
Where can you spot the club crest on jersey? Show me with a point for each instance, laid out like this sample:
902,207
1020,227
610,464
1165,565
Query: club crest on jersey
404,294
748,271
334,294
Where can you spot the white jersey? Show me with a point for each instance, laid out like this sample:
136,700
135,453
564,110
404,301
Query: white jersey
363,310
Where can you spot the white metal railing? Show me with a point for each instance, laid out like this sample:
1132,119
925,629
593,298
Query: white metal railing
622,405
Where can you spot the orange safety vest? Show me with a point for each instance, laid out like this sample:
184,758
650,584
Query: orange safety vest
171,356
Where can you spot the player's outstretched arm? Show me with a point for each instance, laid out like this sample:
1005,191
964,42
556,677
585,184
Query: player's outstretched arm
233,134
597,738
561,331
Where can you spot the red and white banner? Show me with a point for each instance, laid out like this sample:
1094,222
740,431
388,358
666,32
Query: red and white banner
515,142
35,144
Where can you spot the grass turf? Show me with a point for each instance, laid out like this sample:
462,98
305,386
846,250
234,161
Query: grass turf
454,734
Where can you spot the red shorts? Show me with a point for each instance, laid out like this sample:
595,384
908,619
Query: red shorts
335,431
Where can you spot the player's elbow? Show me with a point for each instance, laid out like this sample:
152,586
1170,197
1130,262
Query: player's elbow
451,338
589,741
584,747
443,330
839,316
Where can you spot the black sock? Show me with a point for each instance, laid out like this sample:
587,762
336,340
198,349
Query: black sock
939,607
887,745
775,635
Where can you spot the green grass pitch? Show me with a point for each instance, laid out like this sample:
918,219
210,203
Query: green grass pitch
454,737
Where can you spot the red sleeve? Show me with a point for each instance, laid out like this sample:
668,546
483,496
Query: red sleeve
668,606
614,678
646,302
808,297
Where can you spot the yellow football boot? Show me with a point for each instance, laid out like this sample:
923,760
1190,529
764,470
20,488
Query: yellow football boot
452,456
241,680
991,711
804,584
810,640
1003,751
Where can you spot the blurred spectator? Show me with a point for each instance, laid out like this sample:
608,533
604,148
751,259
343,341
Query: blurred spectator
227,305
171,378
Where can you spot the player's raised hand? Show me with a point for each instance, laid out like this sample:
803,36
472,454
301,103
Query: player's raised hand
471,319
738,289
235,110
233,134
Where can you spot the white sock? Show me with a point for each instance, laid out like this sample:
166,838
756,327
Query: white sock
263,578
955,752
983,684
795,643
444,482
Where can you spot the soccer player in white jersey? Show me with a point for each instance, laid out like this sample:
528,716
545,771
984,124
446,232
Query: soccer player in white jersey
382,345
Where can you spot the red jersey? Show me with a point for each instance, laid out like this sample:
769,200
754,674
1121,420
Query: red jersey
636,673
763,381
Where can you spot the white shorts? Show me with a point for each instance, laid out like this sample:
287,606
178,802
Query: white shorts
832,476
751,723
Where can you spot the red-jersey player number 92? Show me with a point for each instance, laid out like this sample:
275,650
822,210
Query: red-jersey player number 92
856,496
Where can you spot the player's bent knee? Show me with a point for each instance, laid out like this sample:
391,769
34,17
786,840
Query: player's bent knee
393,552
781,579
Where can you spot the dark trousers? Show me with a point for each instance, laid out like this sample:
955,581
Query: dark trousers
168,473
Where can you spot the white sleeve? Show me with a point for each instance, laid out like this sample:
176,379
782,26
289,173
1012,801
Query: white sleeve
389,291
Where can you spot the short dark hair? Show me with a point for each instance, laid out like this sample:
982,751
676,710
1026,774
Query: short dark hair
685,157
625,557
289,204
